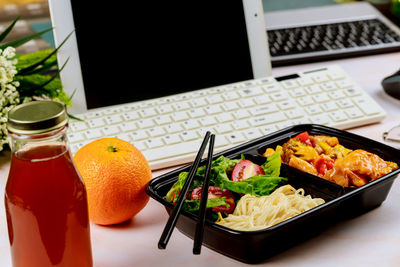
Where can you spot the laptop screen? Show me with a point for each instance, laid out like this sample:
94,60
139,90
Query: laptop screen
150,49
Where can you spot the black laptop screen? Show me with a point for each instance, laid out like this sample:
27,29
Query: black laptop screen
148,49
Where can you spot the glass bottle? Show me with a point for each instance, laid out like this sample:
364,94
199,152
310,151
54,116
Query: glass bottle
45,198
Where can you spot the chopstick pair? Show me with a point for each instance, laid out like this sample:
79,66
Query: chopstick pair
173,218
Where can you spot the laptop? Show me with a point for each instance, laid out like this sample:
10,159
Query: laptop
122,53
300,35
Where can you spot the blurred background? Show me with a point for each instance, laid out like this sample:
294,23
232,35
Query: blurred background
35,17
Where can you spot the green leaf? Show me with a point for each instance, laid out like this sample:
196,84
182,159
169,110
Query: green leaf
27,60
73,117
194,204
272,166
177,187
4,34
32,67
24,40
260,185
52,78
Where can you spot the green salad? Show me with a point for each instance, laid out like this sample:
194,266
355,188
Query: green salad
230,179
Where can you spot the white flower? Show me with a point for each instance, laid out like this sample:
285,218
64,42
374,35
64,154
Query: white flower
9,96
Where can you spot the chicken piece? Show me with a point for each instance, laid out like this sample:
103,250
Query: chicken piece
358,168
302,165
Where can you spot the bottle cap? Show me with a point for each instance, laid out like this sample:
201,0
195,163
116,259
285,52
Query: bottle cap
37,117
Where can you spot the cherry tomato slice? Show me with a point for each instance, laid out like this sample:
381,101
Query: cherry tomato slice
245,169
214,192
304,137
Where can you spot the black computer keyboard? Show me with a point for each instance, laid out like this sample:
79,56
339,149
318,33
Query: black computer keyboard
317,42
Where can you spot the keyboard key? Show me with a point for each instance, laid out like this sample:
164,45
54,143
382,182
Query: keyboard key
94,123
267,119
338,116
313,89
264,109
206,121
111,130
78,126
354,113
223,128
172,139
213,109
366,106
345,103
128,126
329,106
224,117
139,135
93,133
112,119
235,138
240,124
200,102
294,113
179,116
267,129
75,137
163,119
124,136
145,123
320,119
241,114
148,112
336,95
174,128
228,96
285,105
129,116
229,106
176,150
155,142
298,92
305,101
154,132
252,133
196,113
246,102
165,109
289,84
279,96
215,99
189,135
181,106
191,124
313,110
320,98
262,99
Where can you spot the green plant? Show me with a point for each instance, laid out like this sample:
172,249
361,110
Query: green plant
27,77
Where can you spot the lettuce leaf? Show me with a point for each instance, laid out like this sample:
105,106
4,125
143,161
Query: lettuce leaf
272,166
194,204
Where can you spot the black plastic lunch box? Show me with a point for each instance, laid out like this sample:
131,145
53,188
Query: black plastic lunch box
341,202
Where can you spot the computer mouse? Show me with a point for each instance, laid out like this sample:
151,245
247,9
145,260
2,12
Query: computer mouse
391,85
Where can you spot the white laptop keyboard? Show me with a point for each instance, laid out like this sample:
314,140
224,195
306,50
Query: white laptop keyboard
169,130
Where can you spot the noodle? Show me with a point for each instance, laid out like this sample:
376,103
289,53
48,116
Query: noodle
254,213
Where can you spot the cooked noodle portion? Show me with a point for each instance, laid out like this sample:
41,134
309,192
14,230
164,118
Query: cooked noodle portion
254,213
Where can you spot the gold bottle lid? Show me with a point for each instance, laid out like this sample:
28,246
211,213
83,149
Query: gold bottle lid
37,117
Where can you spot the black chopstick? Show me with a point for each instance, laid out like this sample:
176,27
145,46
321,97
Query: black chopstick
198,237
173,218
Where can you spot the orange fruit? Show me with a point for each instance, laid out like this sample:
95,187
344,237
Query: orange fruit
115,174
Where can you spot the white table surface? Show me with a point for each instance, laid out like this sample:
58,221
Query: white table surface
372,239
